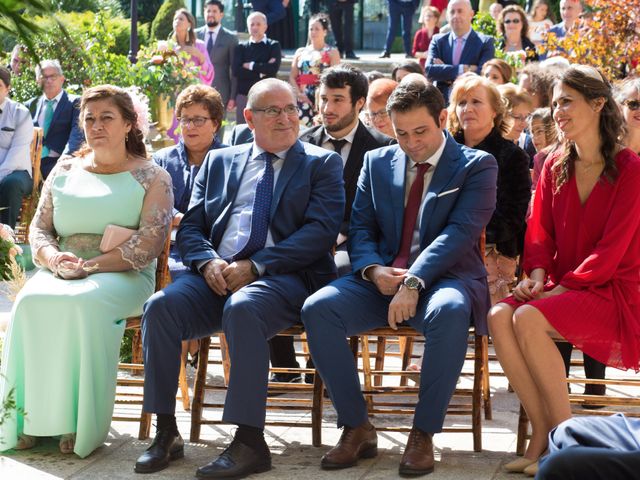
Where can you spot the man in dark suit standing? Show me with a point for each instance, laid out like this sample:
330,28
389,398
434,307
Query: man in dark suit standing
57,113
417,218
221,44
253,60
400,9
257,239
343,90
274,10
459,51
341,15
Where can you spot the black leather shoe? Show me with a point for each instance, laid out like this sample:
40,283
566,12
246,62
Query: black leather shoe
351,56
286,378
165,447
384,54
237,461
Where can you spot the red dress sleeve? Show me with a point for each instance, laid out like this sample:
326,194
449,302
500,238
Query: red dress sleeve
540,245
620,230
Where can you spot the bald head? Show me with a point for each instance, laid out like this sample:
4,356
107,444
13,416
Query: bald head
459,15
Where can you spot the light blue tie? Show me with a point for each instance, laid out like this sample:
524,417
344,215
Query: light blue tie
260,211
48,116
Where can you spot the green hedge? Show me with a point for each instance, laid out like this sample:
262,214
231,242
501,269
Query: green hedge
162,25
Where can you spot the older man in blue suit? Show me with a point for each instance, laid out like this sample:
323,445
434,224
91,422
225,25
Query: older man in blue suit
257,238
419,211
56,112
459,51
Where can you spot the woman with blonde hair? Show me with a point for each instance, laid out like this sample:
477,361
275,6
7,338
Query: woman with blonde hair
478,119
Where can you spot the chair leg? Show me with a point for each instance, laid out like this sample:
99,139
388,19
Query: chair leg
406,350
523,430
476,395
381,346
198,389
486,388
366,371
317,410
184,388
145,426
226,362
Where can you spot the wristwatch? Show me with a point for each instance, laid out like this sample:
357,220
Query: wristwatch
412,283
254,269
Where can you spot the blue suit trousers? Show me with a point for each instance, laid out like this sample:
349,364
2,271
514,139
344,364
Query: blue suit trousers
189,309
352,305
400,10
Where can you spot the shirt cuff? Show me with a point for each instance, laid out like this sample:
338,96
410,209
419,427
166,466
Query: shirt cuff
251,64
259,267
460,69
200,265
364,271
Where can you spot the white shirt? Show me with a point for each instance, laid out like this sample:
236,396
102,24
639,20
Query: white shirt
16,134
236,233
346,148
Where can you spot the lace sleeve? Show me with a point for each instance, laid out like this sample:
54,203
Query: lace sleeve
155,219
41,231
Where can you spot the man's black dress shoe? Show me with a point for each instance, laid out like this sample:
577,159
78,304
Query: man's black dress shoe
237,461
165,447
384,54
351,56
286,378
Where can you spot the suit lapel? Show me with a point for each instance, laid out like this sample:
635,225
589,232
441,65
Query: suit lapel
289,167
62,104
398,167
470,48
354,161
446,168
316,137
231,186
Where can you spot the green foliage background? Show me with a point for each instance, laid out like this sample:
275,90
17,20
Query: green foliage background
162,24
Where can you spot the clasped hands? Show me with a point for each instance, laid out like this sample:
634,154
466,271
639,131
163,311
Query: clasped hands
529,289
68,266
389,280
223,277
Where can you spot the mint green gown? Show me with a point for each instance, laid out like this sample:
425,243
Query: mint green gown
61,350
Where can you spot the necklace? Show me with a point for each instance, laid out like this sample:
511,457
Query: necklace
588,167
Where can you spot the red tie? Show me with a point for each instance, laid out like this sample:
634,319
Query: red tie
410,217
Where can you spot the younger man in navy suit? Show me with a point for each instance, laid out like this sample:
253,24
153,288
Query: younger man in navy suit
419,211
257,237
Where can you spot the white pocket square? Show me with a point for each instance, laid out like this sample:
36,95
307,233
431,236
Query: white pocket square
447,192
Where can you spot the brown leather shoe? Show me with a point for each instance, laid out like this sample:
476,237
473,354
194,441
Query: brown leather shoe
418,455
354,443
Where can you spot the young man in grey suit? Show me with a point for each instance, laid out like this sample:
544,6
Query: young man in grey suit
221,44
257,238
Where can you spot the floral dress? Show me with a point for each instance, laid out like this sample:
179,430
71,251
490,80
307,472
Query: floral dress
311,64
62,348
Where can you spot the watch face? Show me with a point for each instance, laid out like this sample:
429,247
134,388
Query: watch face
412,282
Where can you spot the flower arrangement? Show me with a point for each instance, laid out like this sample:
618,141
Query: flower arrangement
162,71
8,251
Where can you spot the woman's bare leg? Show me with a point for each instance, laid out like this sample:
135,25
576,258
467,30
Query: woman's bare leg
516,369
535,336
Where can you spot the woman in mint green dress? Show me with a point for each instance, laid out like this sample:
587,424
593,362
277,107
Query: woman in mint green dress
61,350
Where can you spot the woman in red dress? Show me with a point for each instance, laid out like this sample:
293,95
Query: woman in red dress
582,256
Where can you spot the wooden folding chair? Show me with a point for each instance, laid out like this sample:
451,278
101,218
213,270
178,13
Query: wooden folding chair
134,398
30,202
281,397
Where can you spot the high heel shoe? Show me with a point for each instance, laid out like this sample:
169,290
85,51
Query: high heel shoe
25,442
519,465
531,470
67,443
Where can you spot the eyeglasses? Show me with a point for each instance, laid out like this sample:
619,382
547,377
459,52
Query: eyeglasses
382,114
519,118
632,104
515,20
195,121
273,112
46,78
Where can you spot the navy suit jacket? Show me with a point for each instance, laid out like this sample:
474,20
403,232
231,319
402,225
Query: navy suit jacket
176,161
241,134
477,50
273,9
65,135
306,209
364,140
458,204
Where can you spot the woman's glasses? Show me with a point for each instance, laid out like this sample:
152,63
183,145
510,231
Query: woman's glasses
632,104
